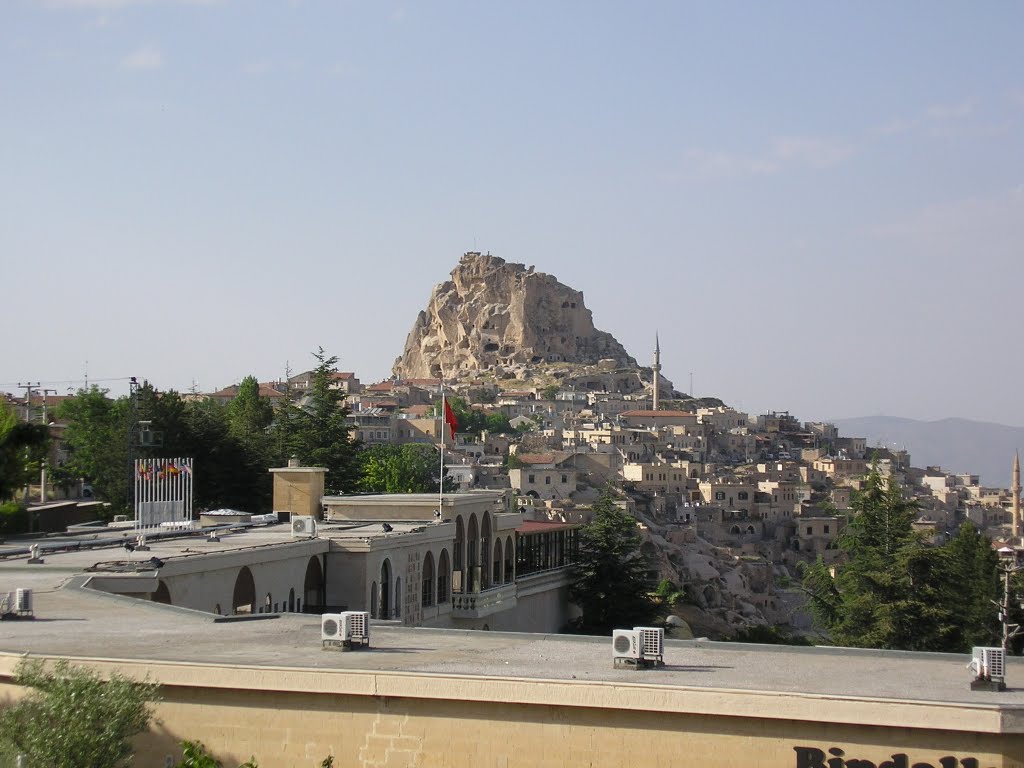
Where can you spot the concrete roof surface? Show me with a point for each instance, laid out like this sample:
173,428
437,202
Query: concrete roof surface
76,622
79,622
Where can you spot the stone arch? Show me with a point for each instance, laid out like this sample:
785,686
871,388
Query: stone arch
397,610
498,561
427,587
162,593
243,599
510,559
313,586
458,555
385,590
485,551
735,529
473,553
751,529
444,578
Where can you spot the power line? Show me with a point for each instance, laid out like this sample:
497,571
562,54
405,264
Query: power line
64,381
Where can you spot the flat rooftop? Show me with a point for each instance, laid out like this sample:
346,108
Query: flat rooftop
76,622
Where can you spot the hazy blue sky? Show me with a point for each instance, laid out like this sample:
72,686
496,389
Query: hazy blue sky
819,206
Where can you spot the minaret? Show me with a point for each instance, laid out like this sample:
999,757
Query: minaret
657,369
1016,495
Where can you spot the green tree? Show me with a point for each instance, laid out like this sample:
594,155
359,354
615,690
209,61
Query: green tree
610,584
250,417
23,447
96,439
321,435
399,469
195,755
974,570
75,719
893,590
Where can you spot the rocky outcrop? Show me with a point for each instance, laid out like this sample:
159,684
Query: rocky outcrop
498,316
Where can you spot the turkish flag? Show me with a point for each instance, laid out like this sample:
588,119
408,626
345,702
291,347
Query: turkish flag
449,419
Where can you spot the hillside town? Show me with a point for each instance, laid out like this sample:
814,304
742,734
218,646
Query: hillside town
729,503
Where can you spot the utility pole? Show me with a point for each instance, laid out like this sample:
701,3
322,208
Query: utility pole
42,469
1010,631
28,387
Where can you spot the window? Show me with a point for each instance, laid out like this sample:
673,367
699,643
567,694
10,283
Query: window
547,480
719,495
826,529
742,496
530,479
565,479
809,529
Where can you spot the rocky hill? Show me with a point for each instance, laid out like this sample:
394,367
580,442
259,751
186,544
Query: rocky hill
504,318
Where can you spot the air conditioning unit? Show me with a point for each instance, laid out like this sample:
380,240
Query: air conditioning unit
345,629
652,643
332,628
989,666
23,601
357,627
626,646
303,527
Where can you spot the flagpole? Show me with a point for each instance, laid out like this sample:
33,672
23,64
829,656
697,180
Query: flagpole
440,486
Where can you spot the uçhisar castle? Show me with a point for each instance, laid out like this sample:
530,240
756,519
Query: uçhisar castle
467,592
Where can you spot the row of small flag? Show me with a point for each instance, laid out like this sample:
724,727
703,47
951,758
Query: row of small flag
162,468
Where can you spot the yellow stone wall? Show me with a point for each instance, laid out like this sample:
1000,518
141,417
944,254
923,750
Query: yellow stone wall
291,718
299,490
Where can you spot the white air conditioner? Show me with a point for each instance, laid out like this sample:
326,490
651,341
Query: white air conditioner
356,626
989,664
23,600
303,526
652,642
626,645
332,628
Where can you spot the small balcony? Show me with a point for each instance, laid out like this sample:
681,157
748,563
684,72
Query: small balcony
477,605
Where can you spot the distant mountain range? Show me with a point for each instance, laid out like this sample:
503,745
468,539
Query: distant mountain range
957,445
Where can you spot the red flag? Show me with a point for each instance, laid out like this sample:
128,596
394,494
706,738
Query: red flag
449,419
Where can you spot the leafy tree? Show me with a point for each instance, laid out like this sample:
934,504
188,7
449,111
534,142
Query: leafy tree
610,584
974,569
399,469
23,447
96,438
195,755
668,594
13,518
74,718
894,590
227,471
473,421
250,417
320,432
550,391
